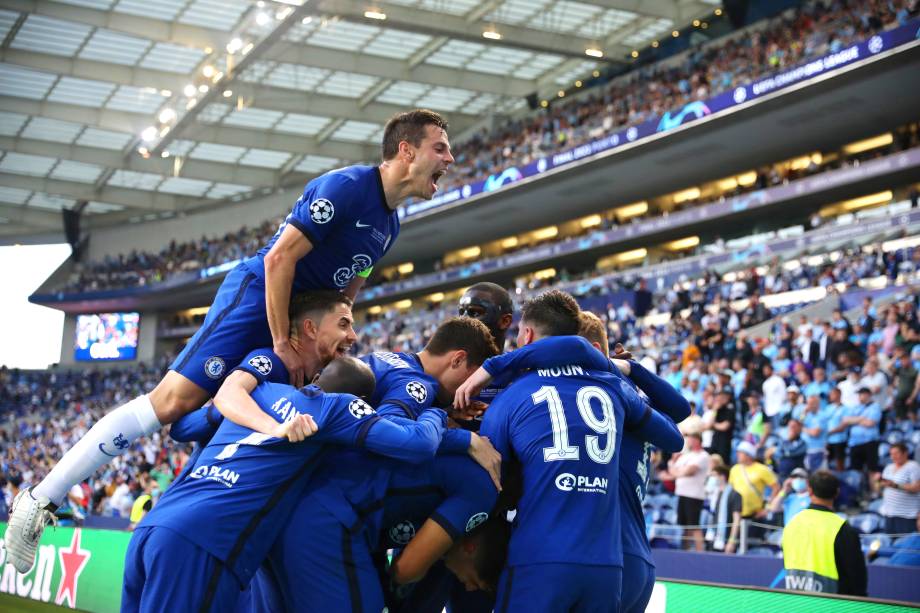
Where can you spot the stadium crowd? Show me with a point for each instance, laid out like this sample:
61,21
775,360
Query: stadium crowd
45,412
814,29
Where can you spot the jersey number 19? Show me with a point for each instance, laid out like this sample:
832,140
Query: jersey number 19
607,424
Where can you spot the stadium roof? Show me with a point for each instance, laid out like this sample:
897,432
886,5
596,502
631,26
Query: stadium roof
139,109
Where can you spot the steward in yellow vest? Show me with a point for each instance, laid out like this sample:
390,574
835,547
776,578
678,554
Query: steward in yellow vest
821,551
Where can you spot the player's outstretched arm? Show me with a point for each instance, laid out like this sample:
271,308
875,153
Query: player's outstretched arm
658,429
407,440
235,402
662,394
280,264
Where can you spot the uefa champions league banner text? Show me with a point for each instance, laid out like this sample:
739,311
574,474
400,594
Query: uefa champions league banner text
75,567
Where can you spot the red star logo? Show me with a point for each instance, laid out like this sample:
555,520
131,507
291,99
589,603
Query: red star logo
72,563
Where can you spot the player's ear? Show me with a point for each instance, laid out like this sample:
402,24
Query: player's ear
406,150
459,359
309,328
505,321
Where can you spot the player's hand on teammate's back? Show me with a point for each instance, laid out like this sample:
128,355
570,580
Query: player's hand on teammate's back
471,387
297,429
620,353
292,362
482,451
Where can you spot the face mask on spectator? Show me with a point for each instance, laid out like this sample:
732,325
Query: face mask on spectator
799,484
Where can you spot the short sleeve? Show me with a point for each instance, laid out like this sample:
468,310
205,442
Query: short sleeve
407,393
326,203
469,501
344,420
265,365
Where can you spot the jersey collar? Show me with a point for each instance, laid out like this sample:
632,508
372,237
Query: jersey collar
383,194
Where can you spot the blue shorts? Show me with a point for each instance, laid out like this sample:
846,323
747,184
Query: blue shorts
440,589
551,588
321,566
638,583
166,572
235,325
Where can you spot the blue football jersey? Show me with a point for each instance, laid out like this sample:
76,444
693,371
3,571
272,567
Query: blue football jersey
244,484
565,426
453,491
349,479
635,451
345,216
403,387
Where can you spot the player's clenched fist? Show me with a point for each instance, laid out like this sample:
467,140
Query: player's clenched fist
297,429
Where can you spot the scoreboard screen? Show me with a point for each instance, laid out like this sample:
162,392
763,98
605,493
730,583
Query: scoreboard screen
106,336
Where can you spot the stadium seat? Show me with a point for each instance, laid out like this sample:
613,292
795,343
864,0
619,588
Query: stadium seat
876,505
894,437
866,523
907,427
915,437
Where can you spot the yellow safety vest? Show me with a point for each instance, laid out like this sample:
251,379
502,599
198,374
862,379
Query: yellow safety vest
808,551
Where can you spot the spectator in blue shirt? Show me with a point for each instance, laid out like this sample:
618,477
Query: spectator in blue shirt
790,454
863,421
793,497
837,431
814,431
818,386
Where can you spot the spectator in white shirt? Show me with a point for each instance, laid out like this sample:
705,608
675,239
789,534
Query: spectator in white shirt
689,470
849,388
876,381
901,493
774,391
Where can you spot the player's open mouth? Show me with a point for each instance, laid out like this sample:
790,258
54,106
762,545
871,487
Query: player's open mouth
434,179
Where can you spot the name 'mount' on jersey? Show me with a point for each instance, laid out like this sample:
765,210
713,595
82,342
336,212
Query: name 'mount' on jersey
564,425
344,215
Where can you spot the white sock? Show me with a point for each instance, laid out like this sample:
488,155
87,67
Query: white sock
109,437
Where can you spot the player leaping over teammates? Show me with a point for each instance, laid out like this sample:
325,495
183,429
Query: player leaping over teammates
344,222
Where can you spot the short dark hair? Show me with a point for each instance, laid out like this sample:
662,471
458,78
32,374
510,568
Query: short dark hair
410,127
348,375
721,469
498,294
552,313
900,447
313,305
466,333
824,484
